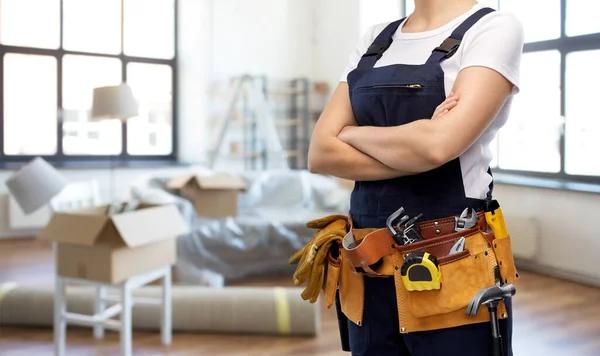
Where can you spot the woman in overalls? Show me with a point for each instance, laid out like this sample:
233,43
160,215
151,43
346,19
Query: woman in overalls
411,123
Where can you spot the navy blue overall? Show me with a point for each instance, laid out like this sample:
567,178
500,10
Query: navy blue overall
390,96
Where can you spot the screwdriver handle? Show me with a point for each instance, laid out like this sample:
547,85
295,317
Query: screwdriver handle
495,219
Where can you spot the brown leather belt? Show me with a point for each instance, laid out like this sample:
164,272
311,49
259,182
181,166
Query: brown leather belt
371,245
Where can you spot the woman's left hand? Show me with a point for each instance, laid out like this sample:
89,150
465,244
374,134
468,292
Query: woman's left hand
446,106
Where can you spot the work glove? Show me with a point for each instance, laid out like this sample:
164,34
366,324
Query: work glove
311,259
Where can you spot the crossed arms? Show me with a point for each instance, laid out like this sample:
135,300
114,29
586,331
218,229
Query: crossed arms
342,149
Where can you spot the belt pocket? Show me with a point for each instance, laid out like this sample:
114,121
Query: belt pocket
462,276
505,259
332,278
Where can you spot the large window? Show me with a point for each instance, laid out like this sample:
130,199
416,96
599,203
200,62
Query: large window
553,130
54,52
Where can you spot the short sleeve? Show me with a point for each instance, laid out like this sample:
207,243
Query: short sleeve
361,48
496,43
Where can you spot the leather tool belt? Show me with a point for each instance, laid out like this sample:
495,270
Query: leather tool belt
365,248
333,269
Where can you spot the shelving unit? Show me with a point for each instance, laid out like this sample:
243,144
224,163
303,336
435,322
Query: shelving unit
266,125
293,122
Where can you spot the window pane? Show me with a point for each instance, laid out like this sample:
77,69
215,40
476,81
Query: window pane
29,102
92,26
540,18
151,132
375,12
582,17
530,140
81,74
582,131
150,28
30,23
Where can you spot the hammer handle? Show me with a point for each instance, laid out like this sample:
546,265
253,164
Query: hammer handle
342,324
497,349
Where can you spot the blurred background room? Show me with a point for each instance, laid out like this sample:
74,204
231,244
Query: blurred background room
153,160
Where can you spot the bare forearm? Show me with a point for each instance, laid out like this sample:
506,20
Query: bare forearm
338,159
401,147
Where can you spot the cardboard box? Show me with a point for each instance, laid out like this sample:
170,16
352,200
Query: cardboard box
213,196
94,246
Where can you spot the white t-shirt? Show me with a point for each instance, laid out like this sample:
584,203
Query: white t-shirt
495,41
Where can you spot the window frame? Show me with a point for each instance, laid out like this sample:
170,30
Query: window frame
124,157
564,45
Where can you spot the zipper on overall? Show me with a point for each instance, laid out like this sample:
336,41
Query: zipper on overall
409,86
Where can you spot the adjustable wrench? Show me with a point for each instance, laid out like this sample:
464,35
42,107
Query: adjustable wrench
464,222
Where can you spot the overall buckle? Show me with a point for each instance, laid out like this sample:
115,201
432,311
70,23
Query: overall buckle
449,46
377,49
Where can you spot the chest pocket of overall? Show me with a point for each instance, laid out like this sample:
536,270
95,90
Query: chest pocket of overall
391,105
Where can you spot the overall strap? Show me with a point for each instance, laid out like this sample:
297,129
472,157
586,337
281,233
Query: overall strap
490,193
380,45
452,43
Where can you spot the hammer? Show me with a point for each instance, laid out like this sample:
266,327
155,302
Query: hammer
490,297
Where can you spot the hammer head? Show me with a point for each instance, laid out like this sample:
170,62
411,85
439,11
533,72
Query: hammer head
490,295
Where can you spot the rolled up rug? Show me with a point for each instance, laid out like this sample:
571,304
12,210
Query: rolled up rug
240,310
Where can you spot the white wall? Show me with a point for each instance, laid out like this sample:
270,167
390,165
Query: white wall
194,65
569,239
261,37
335,36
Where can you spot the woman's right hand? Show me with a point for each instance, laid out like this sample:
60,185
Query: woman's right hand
446,106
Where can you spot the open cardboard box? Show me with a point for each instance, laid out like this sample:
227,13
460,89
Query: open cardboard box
213,196
95,246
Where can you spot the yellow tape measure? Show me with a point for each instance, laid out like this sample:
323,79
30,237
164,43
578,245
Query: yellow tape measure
420,271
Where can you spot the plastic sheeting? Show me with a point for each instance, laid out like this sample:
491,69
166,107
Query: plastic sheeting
269,228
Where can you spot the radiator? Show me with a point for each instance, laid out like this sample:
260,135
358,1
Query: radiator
18,220
525,235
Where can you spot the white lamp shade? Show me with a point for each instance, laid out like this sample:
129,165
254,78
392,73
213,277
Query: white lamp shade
113,102
35,184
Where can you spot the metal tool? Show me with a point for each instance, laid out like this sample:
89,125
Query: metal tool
421,271
410,231
413,220
403,220
464,221
459,246
405,231
397,235
490,297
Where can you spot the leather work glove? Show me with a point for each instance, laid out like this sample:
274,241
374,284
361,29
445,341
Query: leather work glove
311,259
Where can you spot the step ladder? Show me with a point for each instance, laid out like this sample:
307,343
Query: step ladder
248,110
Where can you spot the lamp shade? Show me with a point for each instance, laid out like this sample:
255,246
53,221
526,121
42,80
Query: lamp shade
35,184
113,102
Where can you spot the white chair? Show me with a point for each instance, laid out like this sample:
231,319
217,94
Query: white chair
80,196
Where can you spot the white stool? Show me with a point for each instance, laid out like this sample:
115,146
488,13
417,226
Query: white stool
80,195
102,317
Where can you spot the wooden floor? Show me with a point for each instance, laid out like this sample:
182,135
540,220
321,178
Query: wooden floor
552,317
